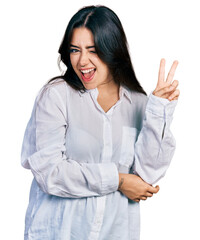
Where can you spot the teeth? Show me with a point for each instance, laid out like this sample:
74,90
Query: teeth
87,71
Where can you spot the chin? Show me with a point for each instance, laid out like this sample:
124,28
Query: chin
90,86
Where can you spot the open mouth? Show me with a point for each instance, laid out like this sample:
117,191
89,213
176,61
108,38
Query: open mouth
87,75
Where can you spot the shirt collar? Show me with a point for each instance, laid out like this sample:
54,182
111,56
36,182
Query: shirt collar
123,91
82,93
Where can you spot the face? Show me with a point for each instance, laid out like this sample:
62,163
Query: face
87,65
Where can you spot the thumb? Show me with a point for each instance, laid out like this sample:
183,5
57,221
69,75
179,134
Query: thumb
157,188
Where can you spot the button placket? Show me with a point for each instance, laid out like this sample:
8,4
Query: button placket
107,139
98,219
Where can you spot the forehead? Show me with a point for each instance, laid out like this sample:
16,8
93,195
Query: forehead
82,36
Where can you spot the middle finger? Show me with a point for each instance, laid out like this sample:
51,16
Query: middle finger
172,72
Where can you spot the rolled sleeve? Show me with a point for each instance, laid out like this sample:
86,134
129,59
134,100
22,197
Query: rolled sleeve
155,146
160,106
110,177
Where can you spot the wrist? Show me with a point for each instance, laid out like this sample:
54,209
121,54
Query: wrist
121,180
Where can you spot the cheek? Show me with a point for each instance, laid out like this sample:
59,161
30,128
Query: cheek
101,65
105,70
73,61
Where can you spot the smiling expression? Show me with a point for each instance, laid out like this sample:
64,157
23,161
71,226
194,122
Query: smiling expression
90,69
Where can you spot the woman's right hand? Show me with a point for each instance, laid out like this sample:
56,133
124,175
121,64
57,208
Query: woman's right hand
134,188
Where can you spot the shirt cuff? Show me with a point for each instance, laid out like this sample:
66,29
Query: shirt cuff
110,177
161,106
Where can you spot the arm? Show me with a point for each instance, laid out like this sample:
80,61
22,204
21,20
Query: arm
155,146
44,153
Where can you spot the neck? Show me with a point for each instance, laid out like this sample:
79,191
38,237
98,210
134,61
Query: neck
108,95
108,88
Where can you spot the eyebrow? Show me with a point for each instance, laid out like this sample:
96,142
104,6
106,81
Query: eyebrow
71,45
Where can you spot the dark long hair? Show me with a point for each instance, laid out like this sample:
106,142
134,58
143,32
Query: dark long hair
110,44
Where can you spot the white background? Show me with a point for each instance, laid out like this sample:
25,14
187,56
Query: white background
31,32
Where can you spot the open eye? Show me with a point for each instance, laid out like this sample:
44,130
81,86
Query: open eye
73,50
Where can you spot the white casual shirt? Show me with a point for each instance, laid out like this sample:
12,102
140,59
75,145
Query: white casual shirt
75,151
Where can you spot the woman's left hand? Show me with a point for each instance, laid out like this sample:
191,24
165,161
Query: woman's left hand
167,88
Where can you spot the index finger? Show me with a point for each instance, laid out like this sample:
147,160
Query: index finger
161,74
172,72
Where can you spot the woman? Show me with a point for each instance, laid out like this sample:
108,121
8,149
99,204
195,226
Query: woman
95,143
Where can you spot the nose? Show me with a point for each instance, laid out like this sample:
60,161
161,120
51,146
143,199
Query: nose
83,60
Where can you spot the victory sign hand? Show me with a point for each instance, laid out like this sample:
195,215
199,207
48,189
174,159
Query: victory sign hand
167,88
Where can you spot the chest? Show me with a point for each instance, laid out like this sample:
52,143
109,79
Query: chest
106,102
107,95
94,136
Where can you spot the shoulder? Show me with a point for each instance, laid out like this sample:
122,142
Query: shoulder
55,89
